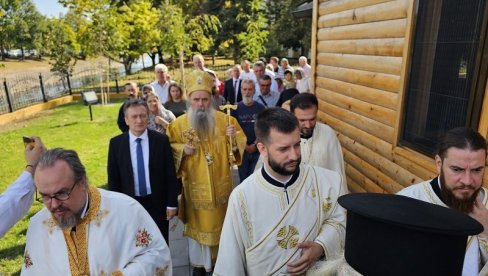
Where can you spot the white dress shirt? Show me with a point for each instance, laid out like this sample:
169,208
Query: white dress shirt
16,201
161,90
133,159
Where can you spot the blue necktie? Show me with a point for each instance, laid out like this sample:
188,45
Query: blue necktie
140,169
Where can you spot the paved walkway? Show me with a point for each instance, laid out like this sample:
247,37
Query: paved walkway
178,245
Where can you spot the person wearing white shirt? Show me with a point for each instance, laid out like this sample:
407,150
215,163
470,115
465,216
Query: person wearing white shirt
162,82
302,62
17,199
246,72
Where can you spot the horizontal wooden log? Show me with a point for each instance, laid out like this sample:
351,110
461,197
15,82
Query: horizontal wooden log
413,167
365,183
381,29
327,7
354,187
416,157
363,93
375,112
378,12
372,142
381,179
379,130
360,78
374,47
380,64
392,170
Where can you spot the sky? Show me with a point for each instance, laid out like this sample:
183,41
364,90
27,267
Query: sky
50,8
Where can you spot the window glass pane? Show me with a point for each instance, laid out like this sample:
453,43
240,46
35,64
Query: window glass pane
444,59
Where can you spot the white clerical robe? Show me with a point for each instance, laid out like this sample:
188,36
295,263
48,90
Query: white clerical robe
264,223
121,239
477,248
323,149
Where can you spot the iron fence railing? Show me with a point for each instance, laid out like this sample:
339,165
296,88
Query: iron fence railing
24,90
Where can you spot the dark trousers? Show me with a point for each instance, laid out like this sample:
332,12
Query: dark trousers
248,163
157,213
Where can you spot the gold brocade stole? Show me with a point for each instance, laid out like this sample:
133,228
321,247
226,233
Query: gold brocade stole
77,240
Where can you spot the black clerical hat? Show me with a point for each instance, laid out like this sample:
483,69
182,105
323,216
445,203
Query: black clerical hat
396,235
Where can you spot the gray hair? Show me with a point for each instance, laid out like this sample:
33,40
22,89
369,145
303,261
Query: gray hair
49,158
247,80
160,67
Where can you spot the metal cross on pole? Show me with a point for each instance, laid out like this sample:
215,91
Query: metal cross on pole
228,107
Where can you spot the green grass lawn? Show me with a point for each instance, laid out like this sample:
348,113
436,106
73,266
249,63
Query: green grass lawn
67,126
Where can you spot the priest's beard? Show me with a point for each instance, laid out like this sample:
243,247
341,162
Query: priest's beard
282,169
202,121
66,222
464,205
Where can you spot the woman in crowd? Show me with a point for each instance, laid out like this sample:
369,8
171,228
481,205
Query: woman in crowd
303,83
176,100
159,117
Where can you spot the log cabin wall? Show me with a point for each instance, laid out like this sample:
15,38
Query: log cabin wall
360,72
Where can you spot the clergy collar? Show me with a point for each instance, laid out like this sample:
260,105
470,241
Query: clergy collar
436,186
85,210
87,205
273,181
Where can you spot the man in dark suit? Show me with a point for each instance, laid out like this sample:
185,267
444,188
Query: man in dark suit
232,87
140,165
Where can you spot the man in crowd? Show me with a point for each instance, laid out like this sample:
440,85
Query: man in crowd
162,82
320,146
259,69
266,96
284,217
199,64
274,62
232,86
132,92
285,65
302,62
205,143
246,72
17,199
88,231
246,113
140,164
460,163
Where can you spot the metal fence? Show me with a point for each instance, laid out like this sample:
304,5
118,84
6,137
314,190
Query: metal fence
25,90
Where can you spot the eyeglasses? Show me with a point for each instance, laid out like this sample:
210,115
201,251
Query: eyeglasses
61,196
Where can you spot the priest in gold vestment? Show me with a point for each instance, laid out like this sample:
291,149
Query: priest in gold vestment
205,146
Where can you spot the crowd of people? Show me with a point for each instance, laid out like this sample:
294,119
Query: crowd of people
176,156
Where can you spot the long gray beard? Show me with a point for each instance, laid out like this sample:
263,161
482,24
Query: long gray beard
247,100
202,121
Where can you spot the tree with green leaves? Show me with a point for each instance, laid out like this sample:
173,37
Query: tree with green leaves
252,40
287,31
19,25
61,44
